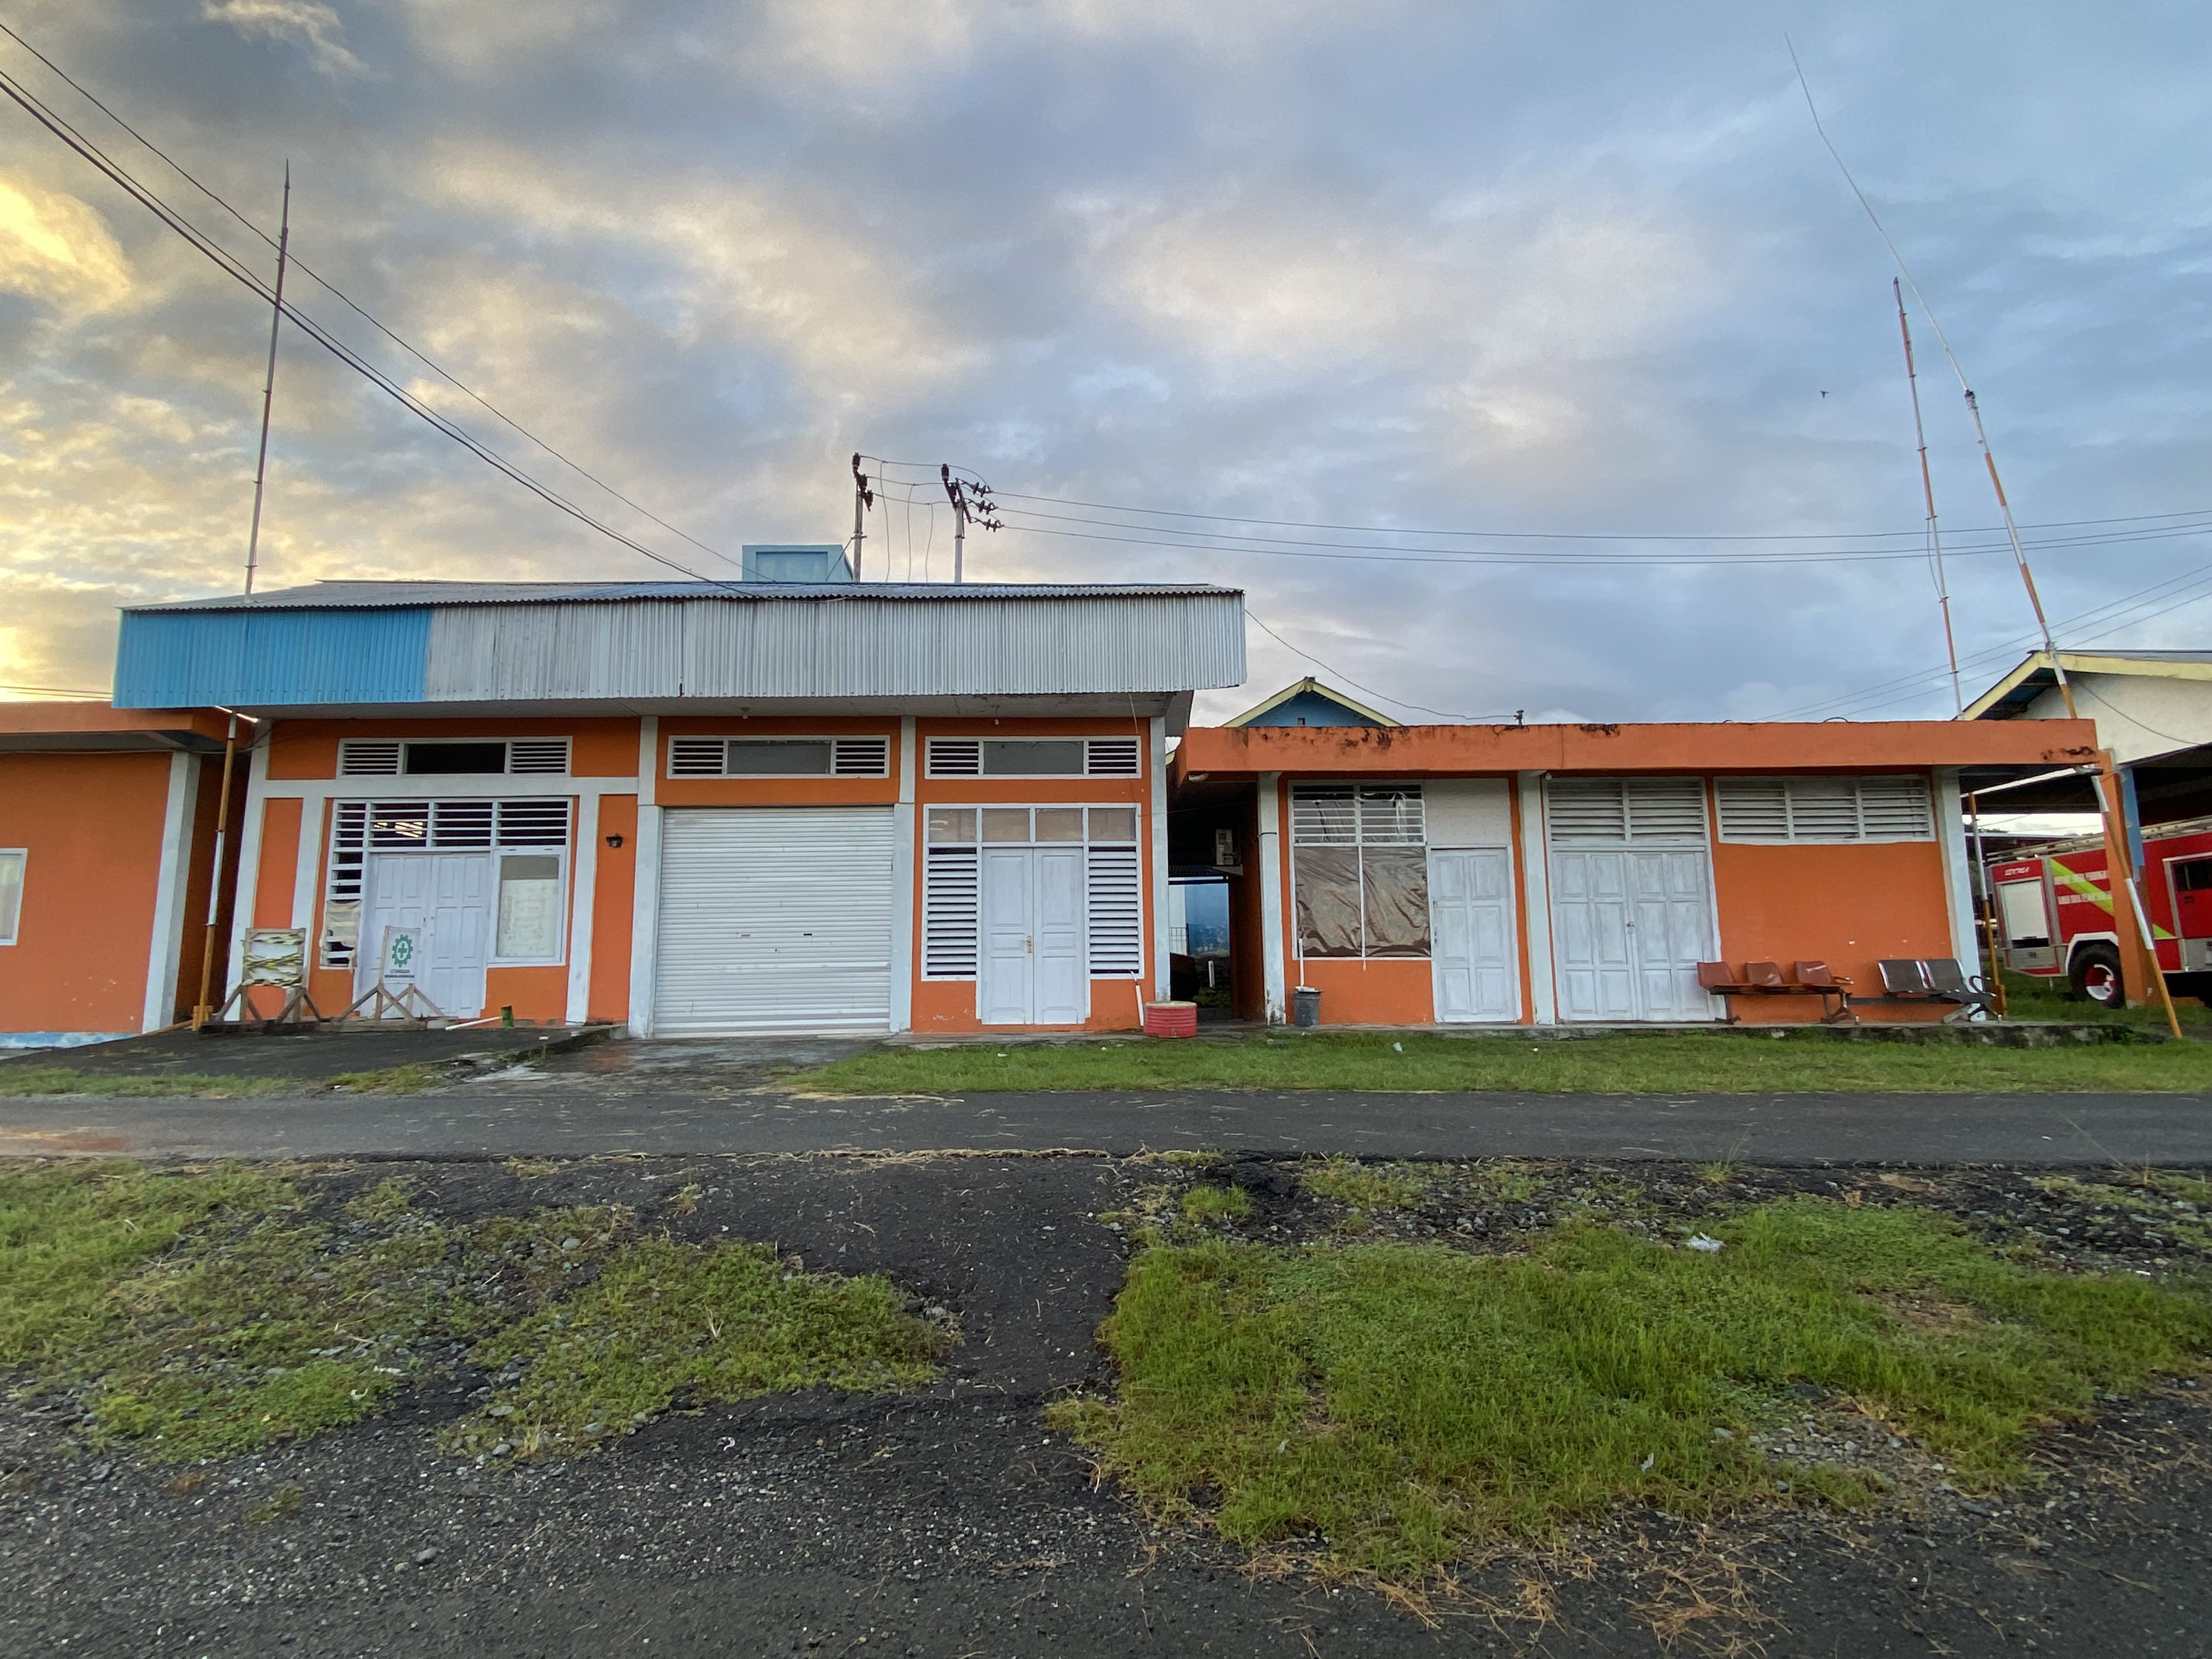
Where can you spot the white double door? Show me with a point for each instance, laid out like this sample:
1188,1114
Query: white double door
1629,928
447,897
1475,963
1033,970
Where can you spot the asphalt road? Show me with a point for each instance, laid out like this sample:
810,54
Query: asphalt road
500,1117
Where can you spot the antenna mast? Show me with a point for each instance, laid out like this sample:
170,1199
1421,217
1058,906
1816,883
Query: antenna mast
269,384
1928,494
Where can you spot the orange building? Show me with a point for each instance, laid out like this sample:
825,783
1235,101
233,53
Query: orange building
773,806
107,831
1547,875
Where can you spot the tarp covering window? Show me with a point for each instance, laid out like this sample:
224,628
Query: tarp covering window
1360,871
1394,881
1327,884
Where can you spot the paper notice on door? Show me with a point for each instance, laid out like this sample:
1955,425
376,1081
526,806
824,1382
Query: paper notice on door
529,909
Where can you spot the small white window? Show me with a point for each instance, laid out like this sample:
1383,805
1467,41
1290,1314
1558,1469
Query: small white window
1035,757
12,860
529,907
779,757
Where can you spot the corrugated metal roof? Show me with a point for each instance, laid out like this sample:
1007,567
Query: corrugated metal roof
365,595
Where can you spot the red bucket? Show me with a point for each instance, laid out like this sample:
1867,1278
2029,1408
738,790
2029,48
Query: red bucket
1171,1019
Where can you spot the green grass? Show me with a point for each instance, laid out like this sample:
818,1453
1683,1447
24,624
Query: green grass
704,1323
1366,1186
18,1078
1207,1203
1407,1403
1720,1063
203,1314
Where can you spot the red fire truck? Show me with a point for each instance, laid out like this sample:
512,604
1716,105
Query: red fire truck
2054,906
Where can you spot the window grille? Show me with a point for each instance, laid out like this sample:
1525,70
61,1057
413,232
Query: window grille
361,828
951,907
1826,811
1035,757
368,757
1613,811
1341,815
1115,912
779,757
541,756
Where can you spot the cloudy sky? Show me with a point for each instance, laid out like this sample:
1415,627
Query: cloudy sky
1538,271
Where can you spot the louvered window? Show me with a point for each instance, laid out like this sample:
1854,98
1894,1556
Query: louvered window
779,757
539,757
952,896
1617,812
391,757
1826,811
1114,901
1035,757
360,828
368,757
1360,871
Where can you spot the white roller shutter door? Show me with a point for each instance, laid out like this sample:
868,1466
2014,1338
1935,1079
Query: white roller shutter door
775,919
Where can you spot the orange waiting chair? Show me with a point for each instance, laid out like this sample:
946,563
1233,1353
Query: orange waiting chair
1765,979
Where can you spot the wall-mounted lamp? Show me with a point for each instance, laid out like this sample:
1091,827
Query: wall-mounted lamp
614,841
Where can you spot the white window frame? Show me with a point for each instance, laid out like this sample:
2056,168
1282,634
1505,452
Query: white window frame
1790,836
1090,767
833,738
22,856
346,746
1359,841
1134,848
492,958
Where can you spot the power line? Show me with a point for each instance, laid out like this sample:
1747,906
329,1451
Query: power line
232,267
1339,674
54,691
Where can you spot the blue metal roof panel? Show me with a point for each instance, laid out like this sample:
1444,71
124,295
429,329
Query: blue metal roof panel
270,659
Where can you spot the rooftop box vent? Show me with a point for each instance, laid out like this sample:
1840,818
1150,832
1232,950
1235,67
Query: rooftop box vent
769,563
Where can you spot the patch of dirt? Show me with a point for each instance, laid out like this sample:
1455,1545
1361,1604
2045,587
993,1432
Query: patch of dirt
949,1521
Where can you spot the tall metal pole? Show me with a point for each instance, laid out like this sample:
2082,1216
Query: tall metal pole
202,1008
957,495
860,505
1928,494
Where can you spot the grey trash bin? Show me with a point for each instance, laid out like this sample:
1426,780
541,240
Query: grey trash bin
1305,1006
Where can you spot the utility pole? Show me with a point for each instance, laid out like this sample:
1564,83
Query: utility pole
204,1007
968,501
1928,494
863,498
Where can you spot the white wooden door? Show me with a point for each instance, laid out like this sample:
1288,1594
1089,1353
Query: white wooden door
1590,942
775,919
1673,925
1033,969
1006,976
1471,925
448,896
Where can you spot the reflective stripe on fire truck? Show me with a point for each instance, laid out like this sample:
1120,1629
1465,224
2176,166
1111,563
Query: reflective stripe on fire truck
2079,886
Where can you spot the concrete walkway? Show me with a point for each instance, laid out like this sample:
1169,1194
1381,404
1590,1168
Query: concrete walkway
527,1116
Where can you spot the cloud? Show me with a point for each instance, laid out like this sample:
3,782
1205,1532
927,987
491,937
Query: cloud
55,249
314,25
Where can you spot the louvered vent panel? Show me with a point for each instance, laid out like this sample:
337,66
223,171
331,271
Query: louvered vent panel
1666,809
956,757
1392,816
461,825
532,824
1896,809
696,757
1324,815
368,757
862,758
539,757
1754,809
950,913
1116,912
1113,757
1824,810
342,891
1587,810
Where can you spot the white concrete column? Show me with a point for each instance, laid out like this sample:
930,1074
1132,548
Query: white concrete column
307,868
1958,877
1161,943
165,947
904,865
1536,900
247,889
1268,856
582,889
645,912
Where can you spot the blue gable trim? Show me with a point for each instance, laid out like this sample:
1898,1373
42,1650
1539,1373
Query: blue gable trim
1312,708
267,659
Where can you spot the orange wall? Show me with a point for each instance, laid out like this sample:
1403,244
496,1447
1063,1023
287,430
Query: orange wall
611,910
92,826
1376,991
1847,906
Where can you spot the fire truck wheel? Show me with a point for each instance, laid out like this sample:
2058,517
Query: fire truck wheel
2095,973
